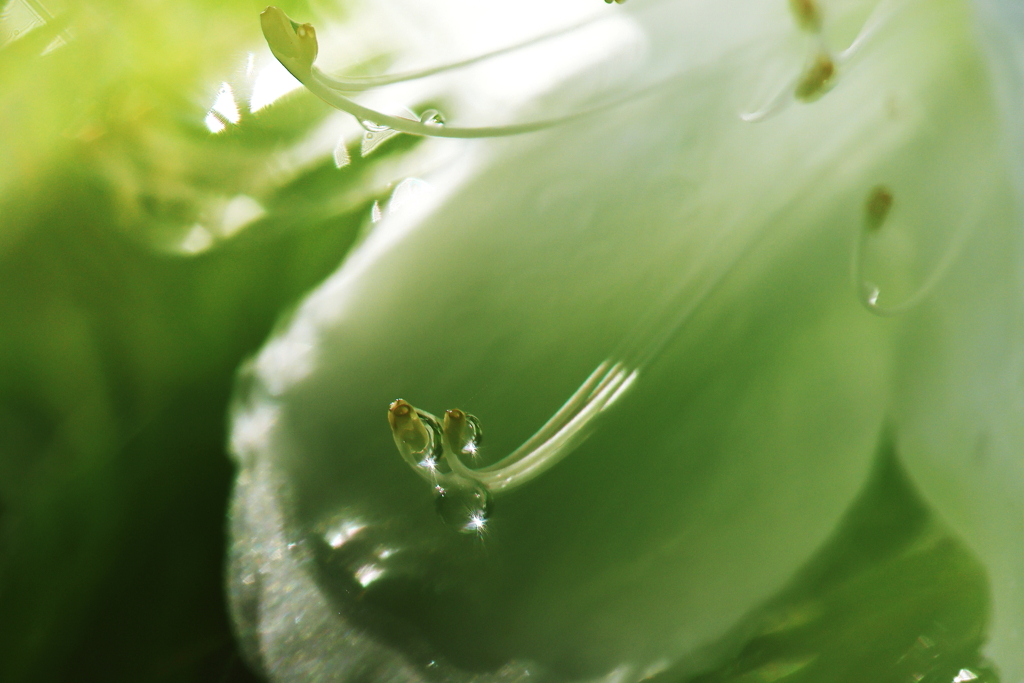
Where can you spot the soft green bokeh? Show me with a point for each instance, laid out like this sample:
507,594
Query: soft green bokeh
118,345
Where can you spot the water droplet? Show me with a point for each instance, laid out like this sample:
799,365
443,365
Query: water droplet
909,237
476,432
374,136
871,293
434,448
432,117
466,510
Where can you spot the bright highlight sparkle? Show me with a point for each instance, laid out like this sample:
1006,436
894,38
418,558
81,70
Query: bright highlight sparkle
368,573
344,534
477,522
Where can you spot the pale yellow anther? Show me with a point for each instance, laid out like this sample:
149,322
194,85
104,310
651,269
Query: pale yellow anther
409,431
808,17
877,207
456,429
817,80
293,44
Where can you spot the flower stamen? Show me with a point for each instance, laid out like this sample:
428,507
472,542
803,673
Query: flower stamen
820,76
295,46
418,438
357,84
817,80
808,16
461,434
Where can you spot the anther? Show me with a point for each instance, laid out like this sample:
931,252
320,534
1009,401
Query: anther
808,17
817,80
877,207
294,45
454,428
407,427
462,432
820,76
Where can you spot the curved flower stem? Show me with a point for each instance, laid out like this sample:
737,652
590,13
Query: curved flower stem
361,83
295,46
883,12
565,440
555,440
562,416
317,86
577,418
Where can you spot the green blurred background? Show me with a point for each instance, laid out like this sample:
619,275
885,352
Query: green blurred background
146,249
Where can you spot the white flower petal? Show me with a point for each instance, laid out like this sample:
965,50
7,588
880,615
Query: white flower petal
712,254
